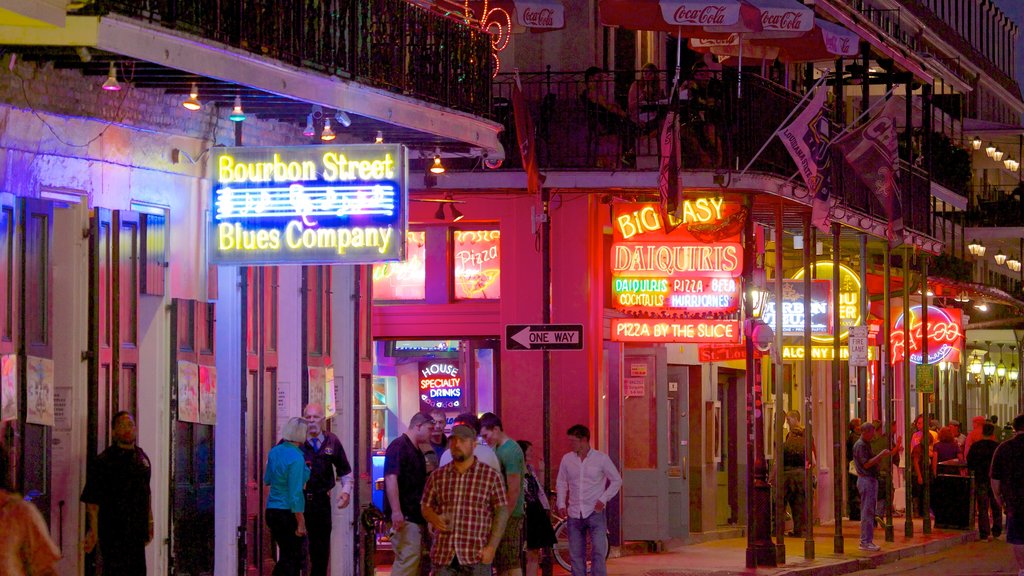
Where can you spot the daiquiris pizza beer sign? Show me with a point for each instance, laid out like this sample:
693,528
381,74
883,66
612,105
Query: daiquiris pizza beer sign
308,204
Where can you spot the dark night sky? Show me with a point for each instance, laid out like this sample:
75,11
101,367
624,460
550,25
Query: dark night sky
1015,10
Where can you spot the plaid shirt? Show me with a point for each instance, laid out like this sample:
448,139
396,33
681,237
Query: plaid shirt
467,500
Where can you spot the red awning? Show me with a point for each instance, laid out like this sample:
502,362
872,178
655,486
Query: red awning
533,15
689,18
826,41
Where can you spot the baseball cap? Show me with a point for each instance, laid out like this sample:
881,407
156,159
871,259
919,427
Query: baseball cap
464,432
421,418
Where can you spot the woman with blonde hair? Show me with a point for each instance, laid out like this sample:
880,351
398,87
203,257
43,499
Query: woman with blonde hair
286,474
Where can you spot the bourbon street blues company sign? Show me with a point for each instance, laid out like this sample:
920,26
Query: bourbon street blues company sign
308,204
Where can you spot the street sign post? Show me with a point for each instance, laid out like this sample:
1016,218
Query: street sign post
859,346
544,337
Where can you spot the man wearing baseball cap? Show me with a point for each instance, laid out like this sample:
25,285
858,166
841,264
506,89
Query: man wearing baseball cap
465,503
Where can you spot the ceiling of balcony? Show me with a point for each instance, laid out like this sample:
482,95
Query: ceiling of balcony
256,103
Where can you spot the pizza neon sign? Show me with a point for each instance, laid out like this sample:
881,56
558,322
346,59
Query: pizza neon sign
945,336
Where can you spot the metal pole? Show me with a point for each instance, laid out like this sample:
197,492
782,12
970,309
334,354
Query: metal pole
926,435
840,411
545,248
808,420
888,415
908,424
780,407
862,372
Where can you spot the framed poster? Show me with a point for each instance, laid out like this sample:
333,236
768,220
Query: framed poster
39,391
188,392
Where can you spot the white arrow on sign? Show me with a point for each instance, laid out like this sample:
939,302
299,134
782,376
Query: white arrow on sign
527,338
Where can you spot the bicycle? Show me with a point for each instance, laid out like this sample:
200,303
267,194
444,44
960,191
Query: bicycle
561,548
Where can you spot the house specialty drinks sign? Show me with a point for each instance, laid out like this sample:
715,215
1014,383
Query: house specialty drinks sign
344,204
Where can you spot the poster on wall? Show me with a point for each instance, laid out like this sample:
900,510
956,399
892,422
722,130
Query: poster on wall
188,392
208,395
8,387
39,390
441,386
330,393
317,385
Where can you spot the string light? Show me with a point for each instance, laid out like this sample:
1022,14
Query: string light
192,103
437,167
112,85
327,135
237,115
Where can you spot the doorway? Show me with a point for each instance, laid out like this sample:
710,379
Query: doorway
645,469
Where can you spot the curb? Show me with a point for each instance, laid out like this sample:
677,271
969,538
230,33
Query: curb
880,558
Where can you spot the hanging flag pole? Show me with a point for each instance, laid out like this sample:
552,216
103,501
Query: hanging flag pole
782,124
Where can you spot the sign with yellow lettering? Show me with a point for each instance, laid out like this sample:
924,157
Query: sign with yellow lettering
341,204
849,297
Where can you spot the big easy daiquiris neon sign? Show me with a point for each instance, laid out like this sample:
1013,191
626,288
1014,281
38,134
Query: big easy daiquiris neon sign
681,285
307,204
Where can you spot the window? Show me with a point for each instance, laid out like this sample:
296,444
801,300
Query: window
403,280
477,264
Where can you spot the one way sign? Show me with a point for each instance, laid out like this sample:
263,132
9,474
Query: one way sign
544,337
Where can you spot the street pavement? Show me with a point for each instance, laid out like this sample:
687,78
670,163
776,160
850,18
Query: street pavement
972,559
727,557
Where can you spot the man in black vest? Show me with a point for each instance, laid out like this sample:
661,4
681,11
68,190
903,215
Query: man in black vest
327,465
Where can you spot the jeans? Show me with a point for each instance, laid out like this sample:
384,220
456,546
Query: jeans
596,525
795,498
464,570
283,524
986,503
867,486
407,544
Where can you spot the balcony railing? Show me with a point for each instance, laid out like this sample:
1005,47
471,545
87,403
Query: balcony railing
726,131
389,44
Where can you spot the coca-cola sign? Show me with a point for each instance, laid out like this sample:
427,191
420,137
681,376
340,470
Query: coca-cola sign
789,20
840,45
700,13
540,17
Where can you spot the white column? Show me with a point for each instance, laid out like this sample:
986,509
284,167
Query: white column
343,329
230,378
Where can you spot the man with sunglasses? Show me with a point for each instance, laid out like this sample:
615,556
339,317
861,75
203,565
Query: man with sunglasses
328,465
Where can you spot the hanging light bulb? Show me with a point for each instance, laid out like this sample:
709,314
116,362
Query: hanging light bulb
1013,373
976,143
989,367
237,115
112,85
309,131
437,167
380,137
192,103
990,150
1001,369
327,135
1000,258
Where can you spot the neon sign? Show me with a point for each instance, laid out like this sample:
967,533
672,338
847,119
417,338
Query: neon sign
308,205
793,307
945,336
477,255
406,280
675,330
849,296
821,352
440,385
693,269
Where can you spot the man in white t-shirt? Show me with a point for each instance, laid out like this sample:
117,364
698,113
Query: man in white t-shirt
482,451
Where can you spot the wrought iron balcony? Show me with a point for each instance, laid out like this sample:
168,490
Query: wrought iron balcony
718,132
997,207
389,44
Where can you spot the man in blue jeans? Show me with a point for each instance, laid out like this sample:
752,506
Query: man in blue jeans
867,483
587,480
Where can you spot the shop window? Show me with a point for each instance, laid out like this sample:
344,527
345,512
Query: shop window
477,264
403,280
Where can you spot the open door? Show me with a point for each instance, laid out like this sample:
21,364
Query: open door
645,506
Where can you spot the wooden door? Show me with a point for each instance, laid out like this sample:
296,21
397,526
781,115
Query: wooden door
125,289
192,443
316,302
259,404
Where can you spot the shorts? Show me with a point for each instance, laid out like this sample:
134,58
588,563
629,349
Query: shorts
508,556
1014,529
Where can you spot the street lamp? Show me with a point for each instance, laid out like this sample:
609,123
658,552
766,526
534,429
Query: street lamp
974,367
976,143
990,150
998,155
976,248
1013,264
1000,258
989,367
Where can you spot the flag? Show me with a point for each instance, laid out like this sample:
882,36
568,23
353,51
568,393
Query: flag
807,139
872,152
524,134
668,174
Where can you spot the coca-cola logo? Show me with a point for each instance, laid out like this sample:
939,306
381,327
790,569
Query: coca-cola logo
543,18
706,16
781,20
837,44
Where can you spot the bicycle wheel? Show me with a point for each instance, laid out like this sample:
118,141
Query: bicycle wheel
561,547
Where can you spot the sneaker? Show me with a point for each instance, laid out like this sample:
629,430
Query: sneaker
869,546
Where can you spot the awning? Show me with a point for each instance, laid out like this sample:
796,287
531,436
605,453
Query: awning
825,41
533,15
974,126
945,287
689,18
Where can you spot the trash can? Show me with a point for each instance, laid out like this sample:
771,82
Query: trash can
951,501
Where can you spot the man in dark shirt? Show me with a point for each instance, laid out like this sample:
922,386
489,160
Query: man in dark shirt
405,475
327,464
979,461
117,501
1008,488
867,464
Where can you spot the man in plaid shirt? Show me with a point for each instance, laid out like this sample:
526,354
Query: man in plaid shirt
465,503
